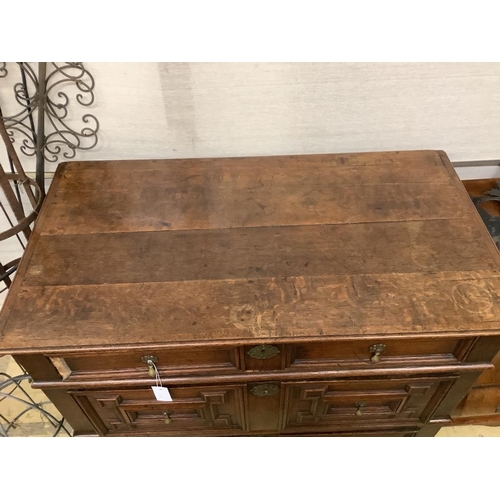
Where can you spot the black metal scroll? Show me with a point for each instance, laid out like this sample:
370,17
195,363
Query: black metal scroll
43,126
44,97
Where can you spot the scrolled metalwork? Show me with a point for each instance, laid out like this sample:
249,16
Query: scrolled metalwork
12,388
31,99
64,83
19,124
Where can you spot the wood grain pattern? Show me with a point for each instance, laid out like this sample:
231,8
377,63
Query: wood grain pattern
196,261
422,246
241,309
251,192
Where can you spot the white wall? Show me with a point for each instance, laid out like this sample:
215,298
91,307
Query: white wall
168,110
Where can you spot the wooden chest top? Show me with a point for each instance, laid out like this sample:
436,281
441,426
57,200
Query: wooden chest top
228,250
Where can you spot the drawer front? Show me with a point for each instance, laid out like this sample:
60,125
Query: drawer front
361,404
173,361
383,352
192,410
263,357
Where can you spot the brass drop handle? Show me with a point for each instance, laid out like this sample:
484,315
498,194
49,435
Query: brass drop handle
359,410
376,350
150,361
168,420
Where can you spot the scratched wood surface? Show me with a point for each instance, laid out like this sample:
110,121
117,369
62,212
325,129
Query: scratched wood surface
251,192
221,254
247,248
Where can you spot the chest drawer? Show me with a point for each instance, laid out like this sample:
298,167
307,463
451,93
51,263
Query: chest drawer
136,411
358,403
128,365
373,353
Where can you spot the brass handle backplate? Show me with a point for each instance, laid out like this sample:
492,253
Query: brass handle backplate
168,420
150,360
264,351
360,407
376,350
265,390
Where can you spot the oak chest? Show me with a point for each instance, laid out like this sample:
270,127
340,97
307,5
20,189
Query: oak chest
348,294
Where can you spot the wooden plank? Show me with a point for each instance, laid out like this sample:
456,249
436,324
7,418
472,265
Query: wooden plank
324,203
359,168
249,192
32,242
276,308
419,246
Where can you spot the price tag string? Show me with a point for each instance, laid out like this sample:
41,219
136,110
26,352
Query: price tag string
157,375
161,393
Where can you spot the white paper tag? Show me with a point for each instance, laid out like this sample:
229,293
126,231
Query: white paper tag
161,393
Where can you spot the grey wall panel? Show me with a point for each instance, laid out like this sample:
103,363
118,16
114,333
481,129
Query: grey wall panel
163,110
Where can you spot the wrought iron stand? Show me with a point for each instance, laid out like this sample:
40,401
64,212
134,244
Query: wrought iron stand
44,96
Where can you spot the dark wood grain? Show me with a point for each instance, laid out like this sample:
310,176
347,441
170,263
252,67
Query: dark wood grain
223,254
251,192
197,260
275,307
